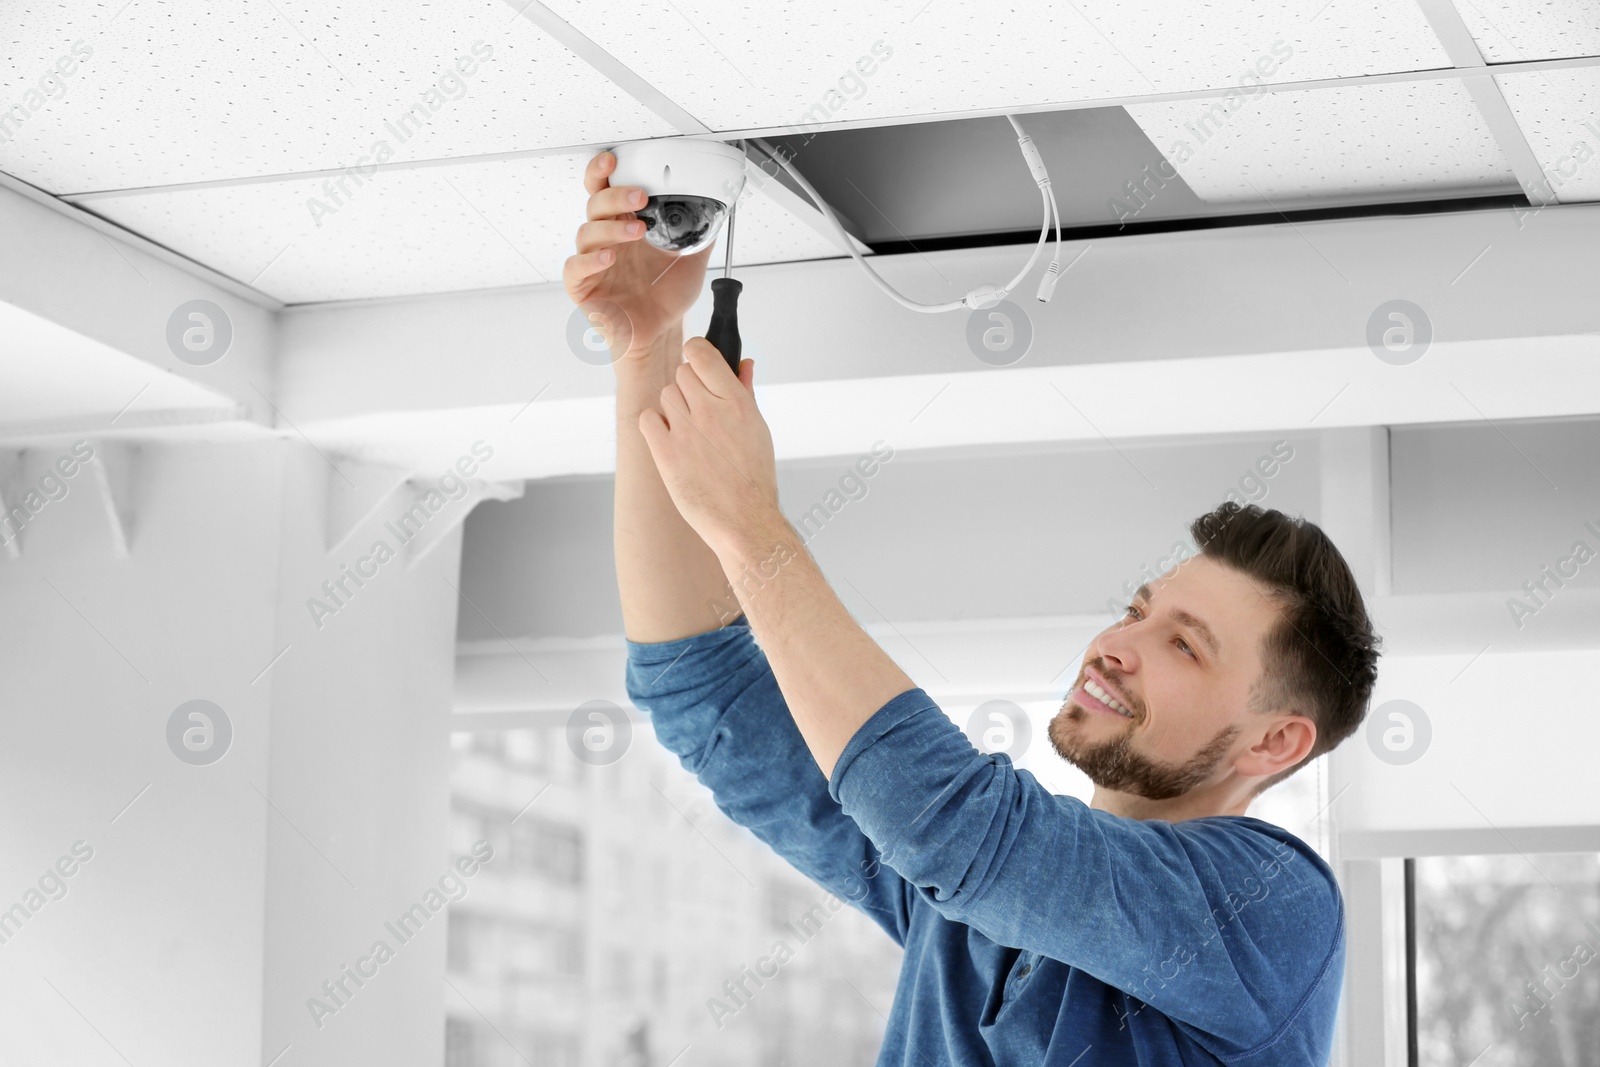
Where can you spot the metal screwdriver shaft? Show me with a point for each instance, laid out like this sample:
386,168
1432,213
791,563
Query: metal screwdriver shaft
724,329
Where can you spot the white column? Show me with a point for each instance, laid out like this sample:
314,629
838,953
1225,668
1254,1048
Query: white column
215,898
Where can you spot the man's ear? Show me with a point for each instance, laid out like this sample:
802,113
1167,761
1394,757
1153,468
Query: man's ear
1289,738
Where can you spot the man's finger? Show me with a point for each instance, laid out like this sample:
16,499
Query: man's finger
582,266
603,232
694,389
673,404
597,173
615,200
653,428
710,366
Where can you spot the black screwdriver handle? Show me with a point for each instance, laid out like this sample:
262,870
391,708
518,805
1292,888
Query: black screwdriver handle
723,332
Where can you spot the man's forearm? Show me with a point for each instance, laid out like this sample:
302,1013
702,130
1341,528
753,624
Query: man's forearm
671,584
831,672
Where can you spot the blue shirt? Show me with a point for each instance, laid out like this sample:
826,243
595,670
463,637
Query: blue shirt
1037,930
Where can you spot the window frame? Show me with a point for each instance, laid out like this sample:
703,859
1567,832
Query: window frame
1377,874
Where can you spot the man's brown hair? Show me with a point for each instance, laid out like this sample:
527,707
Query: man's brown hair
1321,657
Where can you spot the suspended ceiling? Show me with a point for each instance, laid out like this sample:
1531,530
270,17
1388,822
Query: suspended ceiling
320,151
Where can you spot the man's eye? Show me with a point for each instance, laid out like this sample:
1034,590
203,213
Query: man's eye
1133,613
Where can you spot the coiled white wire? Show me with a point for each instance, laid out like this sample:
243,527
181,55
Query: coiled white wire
983,296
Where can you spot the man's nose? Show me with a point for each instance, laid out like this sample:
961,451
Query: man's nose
1118,648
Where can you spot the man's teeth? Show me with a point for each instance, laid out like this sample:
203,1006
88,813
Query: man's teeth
1106,698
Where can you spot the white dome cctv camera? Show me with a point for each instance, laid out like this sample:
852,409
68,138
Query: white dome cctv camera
691,183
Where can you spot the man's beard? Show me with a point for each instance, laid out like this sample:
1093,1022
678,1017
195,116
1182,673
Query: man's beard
1114,765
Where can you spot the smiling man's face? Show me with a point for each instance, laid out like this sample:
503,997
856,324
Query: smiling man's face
1180,666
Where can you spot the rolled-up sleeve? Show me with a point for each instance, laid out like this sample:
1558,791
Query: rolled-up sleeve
1175,914
713,701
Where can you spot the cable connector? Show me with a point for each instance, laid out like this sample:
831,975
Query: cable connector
985,296
1030,152
1047,284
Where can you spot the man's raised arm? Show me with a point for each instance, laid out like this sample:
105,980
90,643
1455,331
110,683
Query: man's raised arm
692,664
715,454
670,582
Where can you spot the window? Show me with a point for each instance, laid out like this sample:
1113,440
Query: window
618,902
548,849
1505,967
472,1043
461,946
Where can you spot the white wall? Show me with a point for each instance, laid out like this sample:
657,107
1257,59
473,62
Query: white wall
206,914
360,768
1513,744
163,924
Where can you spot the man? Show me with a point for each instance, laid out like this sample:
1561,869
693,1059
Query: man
1158,924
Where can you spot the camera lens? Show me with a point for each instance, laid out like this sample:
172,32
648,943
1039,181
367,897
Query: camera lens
683,224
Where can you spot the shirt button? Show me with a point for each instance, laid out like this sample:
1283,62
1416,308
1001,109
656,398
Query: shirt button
1026,967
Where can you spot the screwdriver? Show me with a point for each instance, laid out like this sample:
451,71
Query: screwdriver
723,332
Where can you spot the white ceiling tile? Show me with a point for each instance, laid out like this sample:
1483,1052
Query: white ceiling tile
401,232
1559,113
735,65
167,93
1395,138
1511,31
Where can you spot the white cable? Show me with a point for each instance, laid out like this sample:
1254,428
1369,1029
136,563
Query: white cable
1041,176
983,296
1035,162
849,245
1052,274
